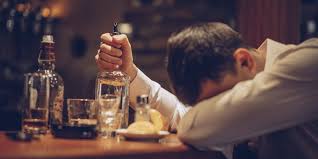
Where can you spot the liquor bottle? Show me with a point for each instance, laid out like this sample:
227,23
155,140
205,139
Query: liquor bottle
116,83
142,108
46,61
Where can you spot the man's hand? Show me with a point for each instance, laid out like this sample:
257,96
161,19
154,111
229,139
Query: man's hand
115,52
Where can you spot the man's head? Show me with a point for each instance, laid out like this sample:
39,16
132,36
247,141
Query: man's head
207,59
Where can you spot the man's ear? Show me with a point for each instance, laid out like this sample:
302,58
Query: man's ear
244,60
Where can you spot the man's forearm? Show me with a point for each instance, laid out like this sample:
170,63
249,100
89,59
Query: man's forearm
160,99
244,112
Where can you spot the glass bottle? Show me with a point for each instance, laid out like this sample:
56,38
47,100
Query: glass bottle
115,83
142,108
46,62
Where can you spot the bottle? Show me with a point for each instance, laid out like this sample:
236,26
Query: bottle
46,61
115,83
142,108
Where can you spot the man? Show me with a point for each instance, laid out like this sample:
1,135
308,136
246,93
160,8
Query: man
237,92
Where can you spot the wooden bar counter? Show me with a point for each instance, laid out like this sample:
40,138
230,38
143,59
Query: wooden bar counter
50,147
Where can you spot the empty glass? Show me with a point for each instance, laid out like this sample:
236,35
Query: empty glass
82,112
36,103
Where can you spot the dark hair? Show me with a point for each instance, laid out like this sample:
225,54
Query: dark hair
198,52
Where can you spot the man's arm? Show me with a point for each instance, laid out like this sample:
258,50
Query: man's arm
160,99
115,53
277,99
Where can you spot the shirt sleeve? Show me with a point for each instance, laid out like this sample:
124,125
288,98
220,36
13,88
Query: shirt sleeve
282,97
159,98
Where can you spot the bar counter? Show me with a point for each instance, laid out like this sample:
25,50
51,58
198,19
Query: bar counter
51,147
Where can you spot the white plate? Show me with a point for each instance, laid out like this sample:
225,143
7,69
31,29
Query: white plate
134,136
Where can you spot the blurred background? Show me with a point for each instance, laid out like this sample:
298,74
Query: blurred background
78,24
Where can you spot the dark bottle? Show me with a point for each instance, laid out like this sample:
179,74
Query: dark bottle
46,62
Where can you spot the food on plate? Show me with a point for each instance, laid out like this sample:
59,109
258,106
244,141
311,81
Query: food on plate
142,127
157,123
158,120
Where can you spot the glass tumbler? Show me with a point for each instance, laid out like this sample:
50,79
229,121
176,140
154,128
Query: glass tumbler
114,84
36,104
82,112
109,116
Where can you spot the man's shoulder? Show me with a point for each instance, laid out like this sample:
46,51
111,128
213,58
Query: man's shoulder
299,62
309,46
313,42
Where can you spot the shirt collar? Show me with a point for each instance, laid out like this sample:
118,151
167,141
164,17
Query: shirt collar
272,49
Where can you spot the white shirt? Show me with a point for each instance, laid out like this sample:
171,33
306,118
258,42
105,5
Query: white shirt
282,96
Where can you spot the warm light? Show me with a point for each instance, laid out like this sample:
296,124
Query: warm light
20,7
58,10
45,12
125,28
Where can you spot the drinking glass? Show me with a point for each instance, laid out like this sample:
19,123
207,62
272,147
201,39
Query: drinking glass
82,112
109,116
36,103
115,83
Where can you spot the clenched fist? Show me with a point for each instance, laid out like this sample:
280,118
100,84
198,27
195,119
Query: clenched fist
115,53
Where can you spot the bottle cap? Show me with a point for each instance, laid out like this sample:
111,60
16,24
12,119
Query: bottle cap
143,99
47,39
115,29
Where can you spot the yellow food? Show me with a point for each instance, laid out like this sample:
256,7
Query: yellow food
142,127
158,120
157,123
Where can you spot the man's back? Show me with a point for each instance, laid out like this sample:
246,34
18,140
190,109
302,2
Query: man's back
300,142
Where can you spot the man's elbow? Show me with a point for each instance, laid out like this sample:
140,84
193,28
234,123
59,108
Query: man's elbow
186,133
202,137
189,136
183,136
198,141
199,134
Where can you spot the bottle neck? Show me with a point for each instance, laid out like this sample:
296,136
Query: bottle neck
46,57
